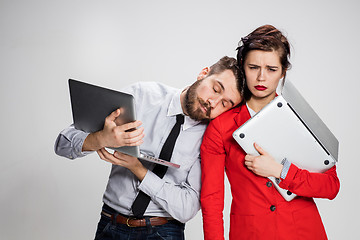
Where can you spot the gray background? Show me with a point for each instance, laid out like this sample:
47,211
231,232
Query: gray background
114,43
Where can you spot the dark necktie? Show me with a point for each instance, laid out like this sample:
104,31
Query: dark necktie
142,200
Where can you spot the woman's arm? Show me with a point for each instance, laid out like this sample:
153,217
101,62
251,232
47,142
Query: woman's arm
212,178
296,180
309,184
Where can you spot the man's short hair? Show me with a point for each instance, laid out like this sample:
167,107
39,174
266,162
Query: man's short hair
228,63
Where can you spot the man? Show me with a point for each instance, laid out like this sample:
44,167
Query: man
174,194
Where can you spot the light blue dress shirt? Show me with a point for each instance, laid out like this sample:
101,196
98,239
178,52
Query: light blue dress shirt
177,194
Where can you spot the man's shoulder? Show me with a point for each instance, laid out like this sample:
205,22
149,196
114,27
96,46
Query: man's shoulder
150,91
156,88
152,94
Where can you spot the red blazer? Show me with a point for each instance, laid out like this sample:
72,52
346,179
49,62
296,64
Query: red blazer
258,211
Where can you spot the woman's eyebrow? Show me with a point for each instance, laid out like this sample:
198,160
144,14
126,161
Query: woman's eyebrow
272,66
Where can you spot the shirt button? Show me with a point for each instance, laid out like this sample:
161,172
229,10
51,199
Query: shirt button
269,184
272,208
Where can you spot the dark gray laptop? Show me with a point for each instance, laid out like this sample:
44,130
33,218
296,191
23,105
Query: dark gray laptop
289,128
92,104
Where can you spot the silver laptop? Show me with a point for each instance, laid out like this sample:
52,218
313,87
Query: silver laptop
289,128
92,104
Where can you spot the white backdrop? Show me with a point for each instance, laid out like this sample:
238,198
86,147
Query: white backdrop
114,43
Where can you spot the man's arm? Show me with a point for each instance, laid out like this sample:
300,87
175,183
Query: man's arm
69,143
181,201
73,143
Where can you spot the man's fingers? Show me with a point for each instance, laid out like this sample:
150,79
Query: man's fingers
105,155
134,133
101,155
138,143
131,125
134,136
135,140
108,155
113,115
118,154
122,156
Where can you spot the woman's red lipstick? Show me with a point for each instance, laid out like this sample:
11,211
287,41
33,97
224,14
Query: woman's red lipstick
260,88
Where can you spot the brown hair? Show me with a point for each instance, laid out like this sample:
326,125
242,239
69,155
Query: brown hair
264,38
228,63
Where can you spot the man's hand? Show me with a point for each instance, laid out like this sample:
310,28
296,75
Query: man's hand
113,135
129,162
263,165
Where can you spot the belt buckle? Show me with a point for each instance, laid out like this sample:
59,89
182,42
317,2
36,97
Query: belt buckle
127,222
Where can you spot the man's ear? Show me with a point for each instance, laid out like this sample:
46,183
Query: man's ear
203,73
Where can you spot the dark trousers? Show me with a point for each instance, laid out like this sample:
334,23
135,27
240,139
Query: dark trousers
110,230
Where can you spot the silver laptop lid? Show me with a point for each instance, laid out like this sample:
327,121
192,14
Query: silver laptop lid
310,119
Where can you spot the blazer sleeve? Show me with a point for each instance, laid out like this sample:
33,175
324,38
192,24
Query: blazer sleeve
212,177
310,184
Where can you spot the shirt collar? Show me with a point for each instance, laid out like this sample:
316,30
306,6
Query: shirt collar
175,109
252,112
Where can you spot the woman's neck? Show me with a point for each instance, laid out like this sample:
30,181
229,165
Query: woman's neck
257,104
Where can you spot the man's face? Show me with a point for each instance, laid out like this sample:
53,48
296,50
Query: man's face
212,95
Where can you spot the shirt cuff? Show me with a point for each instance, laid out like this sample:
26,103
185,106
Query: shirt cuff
69,143
151,184
79,142
286,166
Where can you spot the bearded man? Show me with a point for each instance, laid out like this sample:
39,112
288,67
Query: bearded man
173,196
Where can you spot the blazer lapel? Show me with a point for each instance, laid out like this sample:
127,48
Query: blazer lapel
242,116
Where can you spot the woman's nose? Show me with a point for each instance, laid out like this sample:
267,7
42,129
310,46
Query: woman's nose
261,75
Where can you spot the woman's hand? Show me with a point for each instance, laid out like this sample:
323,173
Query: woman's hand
263,165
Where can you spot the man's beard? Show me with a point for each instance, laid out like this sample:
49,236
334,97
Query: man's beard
191,99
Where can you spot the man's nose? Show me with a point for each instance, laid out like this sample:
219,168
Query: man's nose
214,101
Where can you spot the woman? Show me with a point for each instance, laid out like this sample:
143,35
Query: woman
258,211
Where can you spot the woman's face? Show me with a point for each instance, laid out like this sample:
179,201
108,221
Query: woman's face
263,72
